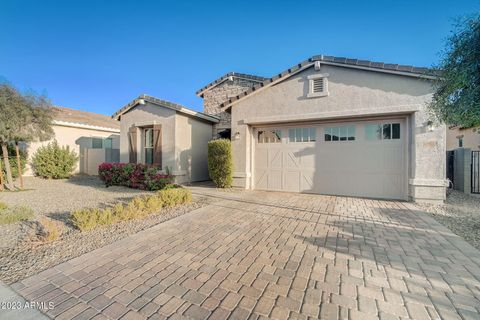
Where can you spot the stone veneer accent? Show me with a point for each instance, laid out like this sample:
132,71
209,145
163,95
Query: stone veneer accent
213,98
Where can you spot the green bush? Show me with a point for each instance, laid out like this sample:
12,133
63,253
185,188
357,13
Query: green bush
12,159
173,197
220,163
138,207
54,162
15,214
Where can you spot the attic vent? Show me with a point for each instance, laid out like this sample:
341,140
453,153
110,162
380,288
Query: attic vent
318,85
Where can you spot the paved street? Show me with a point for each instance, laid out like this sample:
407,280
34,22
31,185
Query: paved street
273,255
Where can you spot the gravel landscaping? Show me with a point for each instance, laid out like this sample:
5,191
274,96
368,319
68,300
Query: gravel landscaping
22,254
460,213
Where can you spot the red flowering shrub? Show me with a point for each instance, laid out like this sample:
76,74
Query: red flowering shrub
137,176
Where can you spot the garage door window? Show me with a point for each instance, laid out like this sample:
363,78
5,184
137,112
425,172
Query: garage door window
302,134
342,133
387,131
270,136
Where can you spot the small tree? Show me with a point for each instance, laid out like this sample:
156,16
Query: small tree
54,162
457,97
23,117
220,163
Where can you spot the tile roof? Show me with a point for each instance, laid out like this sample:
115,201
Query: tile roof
82,117
420,72
164,103
226,77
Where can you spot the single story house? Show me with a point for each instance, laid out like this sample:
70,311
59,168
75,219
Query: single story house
94,137
166,134
463,138
327,125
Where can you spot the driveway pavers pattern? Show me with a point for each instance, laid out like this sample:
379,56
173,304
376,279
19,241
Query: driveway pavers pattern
257,255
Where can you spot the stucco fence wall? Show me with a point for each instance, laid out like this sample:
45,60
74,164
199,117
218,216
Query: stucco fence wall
462,170
80,141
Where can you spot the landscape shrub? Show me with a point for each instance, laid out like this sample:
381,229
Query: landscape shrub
172,197
220,163
14,214
12,159
138,176
138,207
54,162
49,230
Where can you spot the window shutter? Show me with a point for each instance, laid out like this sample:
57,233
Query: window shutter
132,141
157,145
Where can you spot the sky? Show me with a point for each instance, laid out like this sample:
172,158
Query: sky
99,55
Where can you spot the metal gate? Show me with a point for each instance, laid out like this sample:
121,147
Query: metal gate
450,166
475,172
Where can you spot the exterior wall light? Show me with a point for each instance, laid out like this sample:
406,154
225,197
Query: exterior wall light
237,135
430,126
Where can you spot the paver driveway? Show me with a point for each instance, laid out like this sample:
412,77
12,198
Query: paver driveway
273,255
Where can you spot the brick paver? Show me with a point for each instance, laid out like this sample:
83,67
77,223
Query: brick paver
273,255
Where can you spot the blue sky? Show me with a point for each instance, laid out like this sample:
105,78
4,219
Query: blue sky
99,55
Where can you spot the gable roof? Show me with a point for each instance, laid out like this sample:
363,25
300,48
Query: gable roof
71,117
166,104
228,76
403,70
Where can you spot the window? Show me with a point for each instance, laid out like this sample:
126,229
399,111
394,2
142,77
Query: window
395,130
302,134
108,143
148,140
341,133
97,143
318,85
386,131
270,136
460,142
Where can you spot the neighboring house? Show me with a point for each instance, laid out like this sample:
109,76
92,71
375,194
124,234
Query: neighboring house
463,138
326,125
94,137
167,135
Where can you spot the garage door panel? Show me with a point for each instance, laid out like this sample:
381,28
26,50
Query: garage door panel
359,167
275,158
291,160
261,179
292,181
261,158
275,179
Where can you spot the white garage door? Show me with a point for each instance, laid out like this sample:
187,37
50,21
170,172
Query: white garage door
365,159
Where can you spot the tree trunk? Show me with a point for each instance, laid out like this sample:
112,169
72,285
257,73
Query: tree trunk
19,165
1,176
9,183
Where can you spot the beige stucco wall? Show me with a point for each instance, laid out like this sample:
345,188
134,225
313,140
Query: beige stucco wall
471,138
352,93
184,140
191,148
77,139
147,115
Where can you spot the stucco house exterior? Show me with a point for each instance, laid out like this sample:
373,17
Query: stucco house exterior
334,126
94,137
463,138
327,125
166,134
